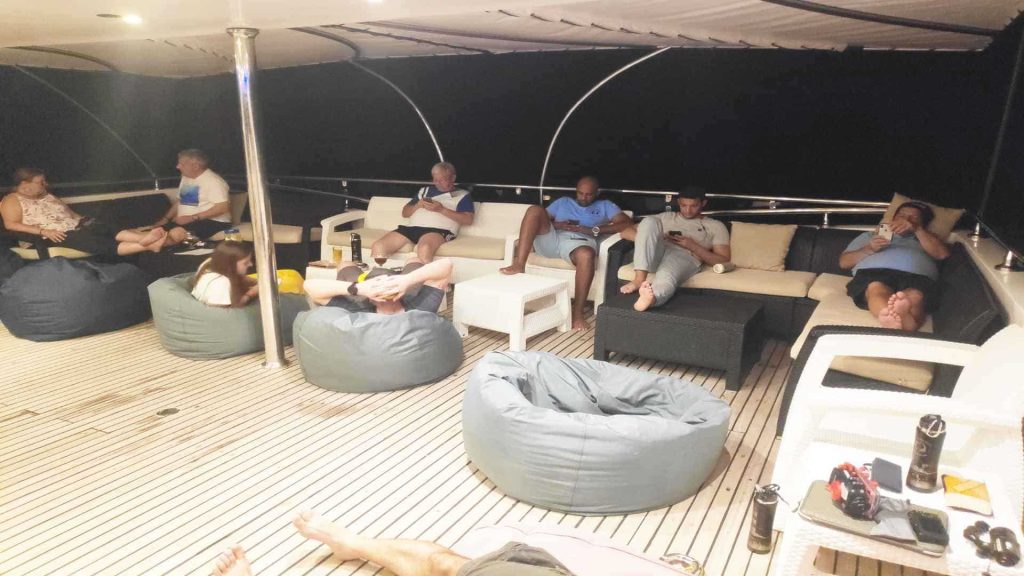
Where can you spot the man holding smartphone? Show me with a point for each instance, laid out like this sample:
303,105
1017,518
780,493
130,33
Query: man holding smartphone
569,229
435,215
673,246
895,278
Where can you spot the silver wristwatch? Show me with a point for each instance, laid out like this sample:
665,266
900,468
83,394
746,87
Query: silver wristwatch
596,230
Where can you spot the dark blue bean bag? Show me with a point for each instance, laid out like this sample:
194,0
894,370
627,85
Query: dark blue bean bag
57,299
589,437
9,263
366,352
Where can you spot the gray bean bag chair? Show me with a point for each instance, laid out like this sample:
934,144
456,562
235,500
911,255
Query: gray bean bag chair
57,299
588,437
9,263
366,352
191,329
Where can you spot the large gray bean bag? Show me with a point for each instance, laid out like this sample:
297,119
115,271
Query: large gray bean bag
57,299
366,352
588,437
191,329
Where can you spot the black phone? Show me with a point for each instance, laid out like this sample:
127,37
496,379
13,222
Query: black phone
675,233
573,222
928,527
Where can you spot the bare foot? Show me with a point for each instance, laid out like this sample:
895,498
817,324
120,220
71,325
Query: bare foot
646,298
629,287
341,540
889,318
232,563
579,323
158,245
513,269
900,303
152,236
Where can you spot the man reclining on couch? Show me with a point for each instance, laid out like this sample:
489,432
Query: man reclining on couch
896,279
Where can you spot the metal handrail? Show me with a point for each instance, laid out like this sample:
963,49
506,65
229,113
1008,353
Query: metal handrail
879,210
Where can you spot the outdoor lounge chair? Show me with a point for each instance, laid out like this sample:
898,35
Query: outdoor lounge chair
829,425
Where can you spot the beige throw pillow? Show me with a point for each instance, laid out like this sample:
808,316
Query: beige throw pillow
941,226
761,246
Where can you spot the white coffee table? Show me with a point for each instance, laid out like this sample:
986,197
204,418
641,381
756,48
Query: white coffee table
500,302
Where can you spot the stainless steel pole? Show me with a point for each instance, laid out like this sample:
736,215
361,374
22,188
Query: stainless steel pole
262,234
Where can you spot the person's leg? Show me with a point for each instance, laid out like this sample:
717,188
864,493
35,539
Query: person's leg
877,295
143,238
536,222
403,557
127,248
909,304
427,246
388,244
647,253
584,259
176,235
675,268
232,563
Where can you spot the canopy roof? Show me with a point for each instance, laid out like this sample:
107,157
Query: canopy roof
187,37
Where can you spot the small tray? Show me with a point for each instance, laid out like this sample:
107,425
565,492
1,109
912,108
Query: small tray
817,507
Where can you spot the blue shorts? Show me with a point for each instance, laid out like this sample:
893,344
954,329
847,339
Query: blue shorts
561,243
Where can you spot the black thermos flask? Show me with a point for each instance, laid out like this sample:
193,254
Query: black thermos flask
357,248
923,475
766,498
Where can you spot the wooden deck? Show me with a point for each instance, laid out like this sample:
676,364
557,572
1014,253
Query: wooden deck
93,480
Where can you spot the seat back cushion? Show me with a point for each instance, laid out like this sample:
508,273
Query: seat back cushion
829,244
385,213
801,249
967,310
495,220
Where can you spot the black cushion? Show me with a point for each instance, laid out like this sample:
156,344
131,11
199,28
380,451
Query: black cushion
967,310
829,244
9,263
58,298
801,249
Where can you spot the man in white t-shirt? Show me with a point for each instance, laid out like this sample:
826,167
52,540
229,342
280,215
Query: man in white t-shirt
202,205
435,215
673,246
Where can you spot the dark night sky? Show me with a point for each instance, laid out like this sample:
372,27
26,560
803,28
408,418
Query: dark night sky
795,123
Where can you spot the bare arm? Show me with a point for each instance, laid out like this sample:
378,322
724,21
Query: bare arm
463,218
170,214
619,222
932,245
212,212
321,291
408,209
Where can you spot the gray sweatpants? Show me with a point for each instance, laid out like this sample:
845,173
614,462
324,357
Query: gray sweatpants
672,265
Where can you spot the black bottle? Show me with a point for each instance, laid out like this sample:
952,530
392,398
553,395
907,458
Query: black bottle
923,475
357,248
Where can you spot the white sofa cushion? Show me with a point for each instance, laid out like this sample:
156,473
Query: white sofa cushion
839,309
789,283
283,233
462,247
828,284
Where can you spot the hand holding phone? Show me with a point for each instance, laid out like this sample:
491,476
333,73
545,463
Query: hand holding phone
885,230
674,233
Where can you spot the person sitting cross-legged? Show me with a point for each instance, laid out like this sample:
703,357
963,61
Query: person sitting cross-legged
896,279
569,229
674,245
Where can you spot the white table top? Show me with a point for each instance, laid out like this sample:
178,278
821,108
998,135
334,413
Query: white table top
518,284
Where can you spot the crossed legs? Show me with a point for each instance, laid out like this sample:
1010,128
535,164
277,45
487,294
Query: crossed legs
403,557
902,310
132,242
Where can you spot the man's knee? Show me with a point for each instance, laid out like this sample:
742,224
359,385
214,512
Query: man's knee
583,257
445,563
648,225
878,288
535,211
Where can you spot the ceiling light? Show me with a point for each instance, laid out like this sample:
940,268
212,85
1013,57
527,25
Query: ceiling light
132,19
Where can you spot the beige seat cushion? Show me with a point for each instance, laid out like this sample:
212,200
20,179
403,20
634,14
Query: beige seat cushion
55,251
283,233
761,246
462,247
828,284
789,283
545,262
941,226
839,309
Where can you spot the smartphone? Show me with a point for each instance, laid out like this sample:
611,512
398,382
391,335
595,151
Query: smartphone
674,233
573,222
885,230
928,527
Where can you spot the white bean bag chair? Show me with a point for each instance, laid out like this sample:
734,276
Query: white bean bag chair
589,437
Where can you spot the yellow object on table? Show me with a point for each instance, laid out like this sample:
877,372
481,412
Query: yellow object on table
288,282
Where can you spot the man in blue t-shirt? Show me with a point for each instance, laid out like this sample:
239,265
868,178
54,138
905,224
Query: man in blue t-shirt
569,230
896,279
